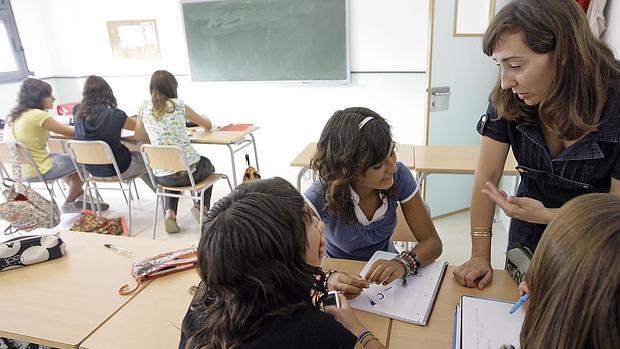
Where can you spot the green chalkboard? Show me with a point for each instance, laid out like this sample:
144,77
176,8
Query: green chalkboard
267,40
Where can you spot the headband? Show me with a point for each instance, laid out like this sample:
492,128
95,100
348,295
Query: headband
365,121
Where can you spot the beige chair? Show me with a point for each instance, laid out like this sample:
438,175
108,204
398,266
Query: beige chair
172,158
99,153
25,158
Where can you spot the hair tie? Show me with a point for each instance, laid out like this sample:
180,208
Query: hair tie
365,121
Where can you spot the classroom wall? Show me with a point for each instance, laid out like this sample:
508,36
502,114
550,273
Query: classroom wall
612,34
66,39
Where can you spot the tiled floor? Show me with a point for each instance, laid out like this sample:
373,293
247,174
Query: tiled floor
453,229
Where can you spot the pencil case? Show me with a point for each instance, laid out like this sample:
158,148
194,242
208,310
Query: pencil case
517,262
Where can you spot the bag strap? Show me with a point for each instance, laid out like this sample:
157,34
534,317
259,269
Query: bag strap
15,165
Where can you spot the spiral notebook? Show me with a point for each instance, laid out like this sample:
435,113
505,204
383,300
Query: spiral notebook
481,323
412,303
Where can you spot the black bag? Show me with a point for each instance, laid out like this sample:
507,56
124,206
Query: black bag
27,250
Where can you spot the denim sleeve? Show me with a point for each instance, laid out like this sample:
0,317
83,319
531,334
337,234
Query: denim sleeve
491,126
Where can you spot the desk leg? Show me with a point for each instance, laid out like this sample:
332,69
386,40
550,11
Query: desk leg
232,162
255,152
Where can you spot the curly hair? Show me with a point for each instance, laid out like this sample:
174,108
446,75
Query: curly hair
344,151
584,66
30,96
163,87
251,259
96,95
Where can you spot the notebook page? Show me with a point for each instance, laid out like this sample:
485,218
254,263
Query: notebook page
411,303
487,323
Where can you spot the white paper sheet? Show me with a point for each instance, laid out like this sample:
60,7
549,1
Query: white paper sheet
412,303
486,323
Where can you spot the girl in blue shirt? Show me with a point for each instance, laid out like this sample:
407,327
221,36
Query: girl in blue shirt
360,187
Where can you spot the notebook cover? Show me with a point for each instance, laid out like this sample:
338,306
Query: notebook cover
235,127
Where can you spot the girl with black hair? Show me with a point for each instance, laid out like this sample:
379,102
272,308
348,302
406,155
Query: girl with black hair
98,118
360,187
259,260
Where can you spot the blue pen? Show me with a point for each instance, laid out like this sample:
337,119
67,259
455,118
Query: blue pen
519,303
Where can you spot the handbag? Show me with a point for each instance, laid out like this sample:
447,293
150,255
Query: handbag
250,173
89,222
24,208
517,262
27,250
161,265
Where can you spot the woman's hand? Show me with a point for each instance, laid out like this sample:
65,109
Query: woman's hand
523,208
385,271
346,316
475,272
523,289
350,285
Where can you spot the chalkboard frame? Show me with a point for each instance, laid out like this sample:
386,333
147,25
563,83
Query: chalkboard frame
347,72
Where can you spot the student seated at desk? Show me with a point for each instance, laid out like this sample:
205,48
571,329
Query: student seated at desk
359,189
98,118
164,118
574,283
259,260
30,124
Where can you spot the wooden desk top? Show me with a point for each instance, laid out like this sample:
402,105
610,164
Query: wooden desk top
404,154
61,302
153,318
199,135
428,159
438,334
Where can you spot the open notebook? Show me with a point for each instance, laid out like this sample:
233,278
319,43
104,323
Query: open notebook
413,303
486,323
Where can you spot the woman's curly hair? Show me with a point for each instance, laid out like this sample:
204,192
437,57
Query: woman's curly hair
346,150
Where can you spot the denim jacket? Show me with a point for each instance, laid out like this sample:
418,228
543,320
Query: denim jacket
585,167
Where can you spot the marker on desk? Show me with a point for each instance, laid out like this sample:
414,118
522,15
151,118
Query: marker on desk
519,303
118,249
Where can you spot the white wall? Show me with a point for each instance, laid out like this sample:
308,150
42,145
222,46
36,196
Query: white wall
612,34
69,38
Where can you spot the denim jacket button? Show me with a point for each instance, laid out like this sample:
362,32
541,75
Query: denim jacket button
484,118
521,170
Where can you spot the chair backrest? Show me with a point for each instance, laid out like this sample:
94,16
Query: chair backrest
402,231
56,146
164,157
91,152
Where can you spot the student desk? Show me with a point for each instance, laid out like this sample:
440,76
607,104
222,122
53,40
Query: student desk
438,334
424,159
404,154
59,303
153,318
229,139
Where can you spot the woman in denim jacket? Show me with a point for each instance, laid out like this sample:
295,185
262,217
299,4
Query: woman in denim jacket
557,105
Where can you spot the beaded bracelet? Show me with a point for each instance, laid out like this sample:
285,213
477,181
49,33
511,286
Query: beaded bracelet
328,273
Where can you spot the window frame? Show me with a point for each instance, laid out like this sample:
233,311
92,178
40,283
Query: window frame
6,16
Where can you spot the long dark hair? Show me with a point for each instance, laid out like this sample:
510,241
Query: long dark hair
584,66
31,95
163,87
96,95
574,280
251,257
344,151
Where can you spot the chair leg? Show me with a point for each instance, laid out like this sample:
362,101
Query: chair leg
202,207
136,187
129,205
97,197
60,185
155,213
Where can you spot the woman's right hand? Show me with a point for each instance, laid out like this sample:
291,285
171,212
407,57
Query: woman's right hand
476,272
346,316
350,285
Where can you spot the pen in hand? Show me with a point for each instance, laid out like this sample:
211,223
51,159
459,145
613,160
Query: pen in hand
519,303
118,249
